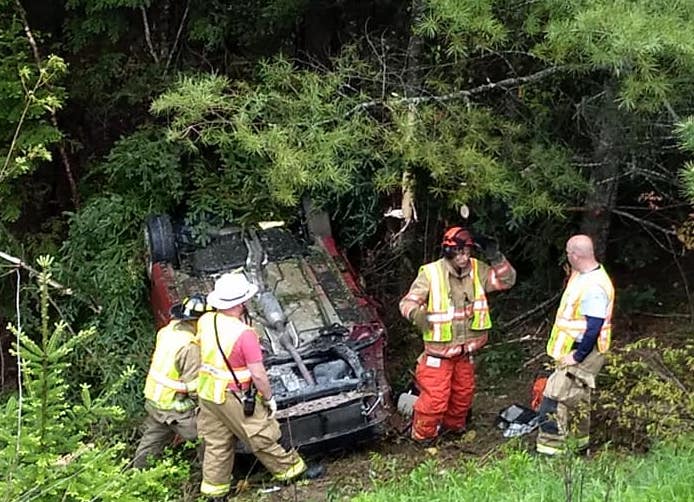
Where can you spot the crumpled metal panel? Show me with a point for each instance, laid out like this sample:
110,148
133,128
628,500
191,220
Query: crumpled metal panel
324,403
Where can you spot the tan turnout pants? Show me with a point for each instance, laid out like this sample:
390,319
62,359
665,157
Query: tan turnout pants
221,424
160,429
566,405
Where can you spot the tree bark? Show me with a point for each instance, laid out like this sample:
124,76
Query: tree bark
604,177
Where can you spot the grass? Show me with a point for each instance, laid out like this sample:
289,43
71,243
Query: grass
666,473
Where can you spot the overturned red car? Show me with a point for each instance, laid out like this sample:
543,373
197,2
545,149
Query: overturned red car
322,339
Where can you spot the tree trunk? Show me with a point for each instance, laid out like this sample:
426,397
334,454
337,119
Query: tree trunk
604,178
405,238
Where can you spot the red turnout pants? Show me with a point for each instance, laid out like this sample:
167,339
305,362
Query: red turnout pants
446,388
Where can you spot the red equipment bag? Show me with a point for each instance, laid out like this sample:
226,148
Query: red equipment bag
537,391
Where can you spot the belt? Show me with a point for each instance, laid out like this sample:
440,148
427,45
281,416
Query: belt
457,356
232,388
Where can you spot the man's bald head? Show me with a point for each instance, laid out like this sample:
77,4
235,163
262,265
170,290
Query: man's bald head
581,245
579,250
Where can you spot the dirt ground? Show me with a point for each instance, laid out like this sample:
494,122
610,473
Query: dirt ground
349,473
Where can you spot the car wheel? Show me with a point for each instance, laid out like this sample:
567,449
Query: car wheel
317,220
160,240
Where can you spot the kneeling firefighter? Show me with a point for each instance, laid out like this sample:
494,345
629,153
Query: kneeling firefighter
172,382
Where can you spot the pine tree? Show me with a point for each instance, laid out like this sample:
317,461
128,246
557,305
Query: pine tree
53,448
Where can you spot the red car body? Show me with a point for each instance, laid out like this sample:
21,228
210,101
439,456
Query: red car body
332,324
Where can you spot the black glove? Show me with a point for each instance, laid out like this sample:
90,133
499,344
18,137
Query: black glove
489,246
419,318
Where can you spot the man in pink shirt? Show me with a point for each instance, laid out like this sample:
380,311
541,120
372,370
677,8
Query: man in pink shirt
231,365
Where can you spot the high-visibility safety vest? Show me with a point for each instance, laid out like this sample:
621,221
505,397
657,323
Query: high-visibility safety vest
214,377
570,324
164,380
441,313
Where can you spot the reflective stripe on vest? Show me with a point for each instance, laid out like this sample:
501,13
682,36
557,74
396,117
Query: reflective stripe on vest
441,313
163,379
570,325
214,377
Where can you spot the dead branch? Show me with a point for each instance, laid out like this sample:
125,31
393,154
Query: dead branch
19,263
522,339
148,35
91,302
178,37
54,119
533,359
643,222
656,364
463,94
664,316
531,312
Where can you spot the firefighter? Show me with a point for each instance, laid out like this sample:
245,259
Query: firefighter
172,382
231,368
578,341
448,302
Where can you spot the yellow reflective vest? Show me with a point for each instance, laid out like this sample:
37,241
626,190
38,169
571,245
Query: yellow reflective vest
441,313
570,324
164,387
215,377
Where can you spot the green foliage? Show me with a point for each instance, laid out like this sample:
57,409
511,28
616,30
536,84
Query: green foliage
103,256
637,41
98,18
299,132
518,476
648,393
500,361
28,94
685,131
251,24
50,448
463,25
290,129
636,298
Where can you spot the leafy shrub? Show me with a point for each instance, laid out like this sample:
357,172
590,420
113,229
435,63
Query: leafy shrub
635,298
103,258
648,393
497,362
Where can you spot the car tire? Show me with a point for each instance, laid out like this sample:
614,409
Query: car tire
317,220
160,240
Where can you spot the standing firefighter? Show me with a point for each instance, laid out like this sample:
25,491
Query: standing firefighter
579,339
231,369
172,382
448,302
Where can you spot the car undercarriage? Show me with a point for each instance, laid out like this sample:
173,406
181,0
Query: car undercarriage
322,339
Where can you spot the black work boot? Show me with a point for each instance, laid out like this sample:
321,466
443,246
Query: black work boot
452,433
425,443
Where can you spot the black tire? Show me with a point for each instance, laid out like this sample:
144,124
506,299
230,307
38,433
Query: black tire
160,239
317,220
